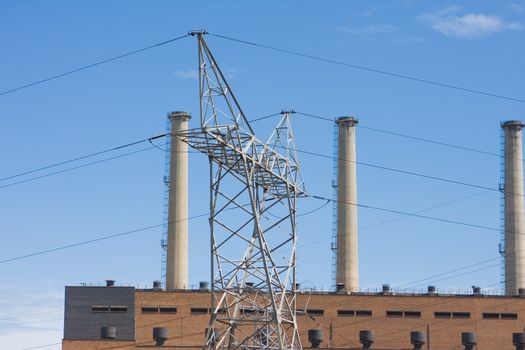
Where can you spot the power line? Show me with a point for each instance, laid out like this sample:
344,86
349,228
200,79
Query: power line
265,117
76,70
75,167
117,148
405,172
41,346
393,211
396,218
411,137
369,69
94,154
126,233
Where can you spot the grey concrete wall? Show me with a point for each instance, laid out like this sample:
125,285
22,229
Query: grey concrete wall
80,322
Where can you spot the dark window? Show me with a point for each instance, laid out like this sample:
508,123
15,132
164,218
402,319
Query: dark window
509,316
199,310
363,313
150,309
346,313
248,311
394,314
461,315
413,314
315,312
490,316
168,310
118,309
100,309
442,314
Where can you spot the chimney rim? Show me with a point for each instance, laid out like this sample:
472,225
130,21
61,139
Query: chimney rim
347,119
179,114
512,123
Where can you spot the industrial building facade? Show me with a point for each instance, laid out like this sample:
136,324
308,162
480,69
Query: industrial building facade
134,313
255,303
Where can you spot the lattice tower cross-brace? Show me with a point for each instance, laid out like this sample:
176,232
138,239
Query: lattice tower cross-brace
253,193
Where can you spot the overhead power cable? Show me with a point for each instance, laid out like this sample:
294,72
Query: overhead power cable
98,153
265,117
117,148
369,69
405,172
74,168
327,200
393,133
76,70
103,238
426,217
361,229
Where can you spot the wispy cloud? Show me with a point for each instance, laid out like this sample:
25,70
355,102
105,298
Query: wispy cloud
380,32
515,7
229,73
367,13
30,317
187,74
471,25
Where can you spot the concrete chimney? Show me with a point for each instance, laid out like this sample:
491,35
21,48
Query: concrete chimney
347,273
177,254
514,208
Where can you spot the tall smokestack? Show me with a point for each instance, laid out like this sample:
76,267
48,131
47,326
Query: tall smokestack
514,208
347,273
177,252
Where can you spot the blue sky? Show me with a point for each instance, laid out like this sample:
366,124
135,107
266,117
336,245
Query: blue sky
474,44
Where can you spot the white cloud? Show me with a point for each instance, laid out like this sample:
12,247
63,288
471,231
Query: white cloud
515,7
30,317
380,32
187,74
370,30
470,25
229,73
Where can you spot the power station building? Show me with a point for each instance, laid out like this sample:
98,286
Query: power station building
175,317
113,317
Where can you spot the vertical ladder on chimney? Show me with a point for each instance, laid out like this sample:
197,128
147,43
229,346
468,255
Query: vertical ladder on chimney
165,204
334,204
502,209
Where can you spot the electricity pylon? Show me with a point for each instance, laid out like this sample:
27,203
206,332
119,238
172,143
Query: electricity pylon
253,193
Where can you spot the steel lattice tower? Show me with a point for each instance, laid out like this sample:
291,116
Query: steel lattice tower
253,193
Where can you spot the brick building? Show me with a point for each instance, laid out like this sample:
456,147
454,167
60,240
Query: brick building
135,312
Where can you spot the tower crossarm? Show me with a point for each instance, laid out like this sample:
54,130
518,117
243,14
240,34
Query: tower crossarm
227,146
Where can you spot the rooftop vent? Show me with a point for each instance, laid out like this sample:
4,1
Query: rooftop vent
518,339
468,339
203,285
418,339
315,337
366,338
108,332
160,335
110,283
